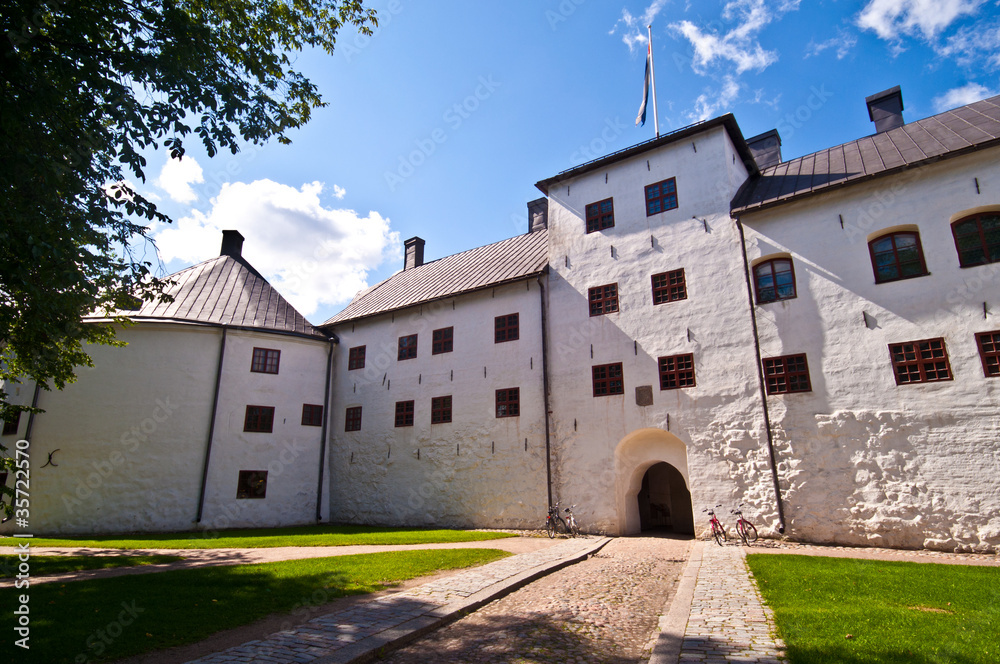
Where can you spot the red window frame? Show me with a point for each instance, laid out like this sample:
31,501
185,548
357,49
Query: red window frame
608,379
265,360
669,286
312,415
786,374
404,413
251,484
603,299
441,409
352,419
676,371
924,361
600,215
259,419
887,262
509,402
407,347
442,341
989,352
506,328
983,248
781,288
356,358
661,196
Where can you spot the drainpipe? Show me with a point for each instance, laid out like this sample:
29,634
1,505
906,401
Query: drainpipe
31,415
211,427
326,420
545,391
760,378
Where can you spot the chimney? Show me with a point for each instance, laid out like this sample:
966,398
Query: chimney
414,253
766,149
885,109
232,244
538,214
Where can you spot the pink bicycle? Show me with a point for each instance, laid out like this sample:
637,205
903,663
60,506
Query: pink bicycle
718,530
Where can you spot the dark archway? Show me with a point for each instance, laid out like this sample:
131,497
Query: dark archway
664,501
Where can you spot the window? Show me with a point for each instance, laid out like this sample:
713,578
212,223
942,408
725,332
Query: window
312,415
604,300
789,373
352,421
356,358
897,256
676,371
608,379
989,352
509,402
774,280
506,328
265,360
259,419
669,286
442,341
407,347
661,196
600,215
920,361
10,426
441,410
977,239
404,413
252,484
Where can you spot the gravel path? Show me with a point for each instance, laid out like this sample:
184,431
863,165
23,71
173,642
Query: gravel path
604,609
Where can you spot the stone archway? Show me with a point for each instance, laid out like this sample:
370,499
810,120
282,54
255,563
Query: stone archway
664,501
635,455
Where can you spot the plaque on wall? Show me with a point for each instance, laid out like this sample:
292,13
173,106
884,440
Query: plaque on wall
644,395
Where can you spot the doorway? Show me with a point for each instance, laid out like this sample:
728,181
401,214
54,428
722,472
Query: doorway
664,501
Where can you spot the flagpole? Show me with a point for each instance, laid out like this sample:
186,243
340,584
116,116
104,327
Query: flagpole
652,80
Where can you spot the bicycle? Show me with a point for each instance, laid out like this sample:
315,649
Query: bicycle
746,530
554,522
718,530
571,521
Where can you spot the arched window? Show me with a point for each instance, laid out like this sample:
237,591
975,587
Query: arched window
977,238
897,256
774,280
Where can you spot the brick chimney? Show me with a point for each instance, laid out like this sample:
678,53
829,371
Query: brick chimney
885,109
232,244
414,253
766,149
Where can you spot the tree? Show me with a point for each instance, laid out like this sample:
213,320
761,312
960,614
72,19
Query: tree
86,87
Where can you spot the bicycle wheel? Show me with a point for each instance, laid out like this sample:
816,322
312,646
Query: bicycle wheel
571,526
550,526
749,533
719,534
560,525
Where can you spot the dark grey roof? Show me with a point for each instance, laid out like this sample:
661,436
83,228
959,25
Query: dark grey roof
502,262
941,136
226,291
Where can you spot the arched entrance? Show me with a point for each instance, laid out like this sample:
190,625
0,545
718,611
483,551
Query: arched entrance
651,468
664,501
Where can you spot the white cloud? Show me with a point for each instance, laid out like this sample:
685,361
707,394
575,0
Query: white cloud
312,254
975,46
339,192
634,28
966,94
177,176
713,102
892,19
842,42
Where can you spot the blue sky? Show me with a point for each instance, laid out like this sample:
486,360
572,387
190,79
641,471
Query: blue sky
440,123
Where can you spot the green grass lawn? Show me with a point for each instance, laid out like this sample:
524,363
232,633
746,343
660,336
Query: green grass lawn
43,565
108,619
269,537
837,610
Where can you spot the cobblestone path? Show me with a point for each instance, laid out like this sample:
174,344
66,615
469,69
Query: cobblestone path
604,609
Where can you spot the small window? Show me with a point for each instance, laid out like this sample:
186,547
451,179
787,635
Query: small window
352,421
789,373
10,426
407,347
265,360
506,328
259,419
442,341
661,197
600,215
356,358
252,484
989,352
604,300
897,256
669,287
977,239
608,379
509,402
312,415
774,280
676,371
920,361
441,410
404,413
